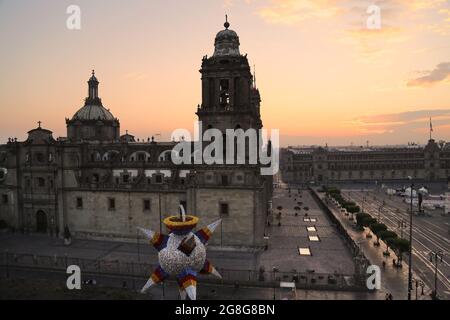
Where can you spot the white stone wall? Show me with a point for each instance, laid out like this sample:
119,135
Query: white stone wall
95,219
238,227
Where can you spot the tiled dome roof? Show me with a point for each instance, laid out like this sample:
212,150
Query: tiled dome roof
93,112
226,42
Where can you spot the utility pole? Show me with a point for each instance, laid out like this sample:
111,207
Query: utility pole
160,231
436,257
410,243
401,225
379,213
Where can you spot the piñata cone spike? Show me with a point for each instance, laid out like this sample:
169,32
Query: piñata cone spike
187,281
158,240
148,233
183,294
205,234
208,268
157,276
191,292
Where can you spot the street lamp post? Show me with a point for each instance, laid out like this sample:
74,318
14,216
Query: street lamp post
417,284
138,250
401,225
160,231
436,257
410,243
379,213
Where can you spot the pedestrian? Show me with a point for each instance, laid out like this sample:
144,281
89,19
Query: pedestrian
391,297
384,264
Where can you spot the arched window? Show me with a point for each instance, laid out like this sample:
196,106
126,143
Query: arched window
40,182
95,156
39,156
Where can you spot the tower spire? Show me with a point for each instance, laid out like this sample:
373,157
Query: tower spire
93,88
226,24
431,129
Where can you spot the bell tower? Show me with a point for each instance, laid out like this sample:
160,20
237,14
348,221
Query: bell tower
230,99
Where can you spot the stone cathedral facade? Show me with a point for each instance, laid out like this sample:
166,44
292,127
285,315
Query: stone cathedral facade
102,184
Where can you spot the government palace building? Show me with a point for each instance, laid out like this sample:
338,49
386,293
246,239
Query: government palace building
103,185
366,164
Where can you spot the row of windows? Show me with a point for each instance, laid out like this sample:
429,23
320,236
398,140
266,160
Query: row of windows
146,205
372,173
224,179
377,166
126,178
39,182
386,166
374,157
135,157
39,157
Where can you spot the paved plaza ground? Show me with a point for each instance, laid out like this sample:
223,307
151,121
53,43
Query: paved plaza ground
329,255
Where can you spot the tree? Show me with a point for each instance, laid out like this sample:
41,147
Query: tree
377,228
360,218
367,222
388,236
353,209
400,246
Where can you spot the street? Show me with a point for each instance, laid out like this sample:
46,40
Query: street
429,233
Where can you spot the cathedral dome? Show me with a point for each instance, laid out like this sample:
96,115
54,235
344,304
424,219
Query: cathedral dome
93,112
93,122
93,108
226,42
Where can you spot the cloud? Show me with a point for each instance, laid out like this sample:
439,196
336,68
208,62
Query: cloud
137,75
400,123
293,11
424,4
385,128
404,117
438,74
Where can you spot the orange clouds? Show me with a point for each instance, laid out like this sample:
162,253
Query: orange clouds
439,74
292,11
417,120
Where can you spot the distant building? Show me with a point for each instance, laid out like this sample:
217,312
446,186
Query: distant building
324,164
104,185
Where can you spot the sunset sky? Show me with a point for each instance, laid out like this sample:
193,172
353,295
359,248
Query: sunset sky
323,76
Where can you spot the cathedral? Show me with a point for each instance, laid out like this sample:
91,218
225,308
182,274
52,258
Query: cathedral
103,185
